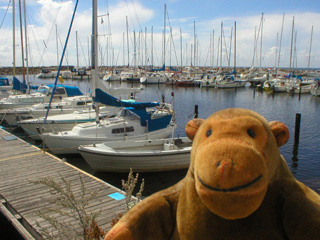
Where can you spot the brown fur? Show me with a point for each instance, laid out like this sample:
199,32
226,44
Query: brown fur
238,187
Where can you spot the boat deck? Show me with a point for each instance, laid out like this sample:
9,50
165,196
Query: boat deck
20,199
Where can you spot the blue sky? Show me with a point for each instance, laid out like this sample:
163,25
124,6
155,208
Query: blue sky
45,16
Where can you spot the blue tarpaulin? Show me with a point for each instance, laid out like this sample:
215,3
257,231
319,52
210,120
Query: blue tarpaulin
139,108
153,124
4,81
174,70
19,86
71,90
159,69
109,100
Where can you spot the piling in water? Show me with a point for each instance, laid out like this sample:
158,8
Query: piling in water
195,111
297,129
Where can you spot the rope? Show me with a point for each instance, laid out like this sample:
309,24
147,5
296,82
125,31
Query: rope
5,14
4,115
61,60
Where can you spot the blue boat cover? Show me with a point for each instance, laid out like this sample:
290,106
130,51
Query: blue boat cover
153,124
159,69
4,81
109,100
174,70
71,90
19,86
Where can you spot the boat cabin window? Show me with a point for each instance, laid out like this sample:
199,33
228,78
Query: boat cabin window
31,100
43,90
127,113
4,82
83,103
60,91
122,130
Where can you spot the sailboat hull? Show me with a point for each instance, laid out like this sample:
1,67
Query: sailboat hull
60,143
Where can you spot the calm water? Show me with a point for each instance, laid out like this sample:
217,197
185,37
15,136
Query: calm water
305,165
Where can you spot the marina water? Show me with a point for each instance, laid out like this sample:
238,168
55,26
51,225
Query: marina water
304,162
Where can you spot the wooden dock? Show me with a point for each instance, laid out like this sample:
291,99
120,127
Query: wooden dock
20,199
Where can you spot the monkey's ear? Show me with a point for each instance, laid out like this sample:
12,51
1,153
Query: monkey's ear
193,126
280,131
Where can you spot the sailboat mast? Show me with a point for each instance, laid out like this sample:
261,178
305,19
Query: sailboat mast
218,51
134,50
181,48
170,45
280,41
212,48
88,51
152,46
194,43
26,38
77,51
254,46
127,40
21,36
164,34
14,36
94,46
229,60
57,45
310,47
221,48
261,39
276,54
292,31
145,47
123,51
235,48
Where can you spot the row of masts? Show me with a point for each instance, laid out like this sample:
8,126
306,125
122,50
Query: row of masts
140,54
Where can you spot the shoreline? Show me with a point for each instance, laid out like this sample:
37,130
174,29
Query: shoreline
8,71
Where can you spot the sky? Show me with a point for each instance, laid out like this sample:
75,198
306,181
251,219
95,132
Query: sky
255,33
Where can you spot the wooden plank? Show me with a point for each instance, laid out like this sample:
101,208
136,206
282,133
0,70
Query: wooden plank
20,163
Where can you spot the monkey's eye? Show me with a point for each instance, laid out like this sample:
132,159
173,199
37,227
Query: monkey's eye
209,132
251,133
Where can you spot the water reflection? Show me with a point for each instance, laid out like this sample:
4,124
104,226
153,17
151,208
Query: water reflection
295,159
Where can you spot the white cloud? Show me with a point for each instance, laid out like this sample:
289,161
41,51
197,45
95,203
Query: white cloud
51,13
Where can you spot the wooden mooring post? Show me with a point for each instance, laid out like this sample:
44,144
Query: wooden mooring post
297,129
195,111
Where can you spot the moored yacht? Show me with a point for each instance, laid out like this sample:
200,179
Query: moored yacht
315,89
42,95
62,122
66,105
136,121
155,78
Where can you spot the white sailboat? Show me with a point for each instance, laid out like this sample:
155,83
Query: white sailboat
67,105
155,78
315,89
130,124
62,122
5,87
42,95
47,73
135,121
229,82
